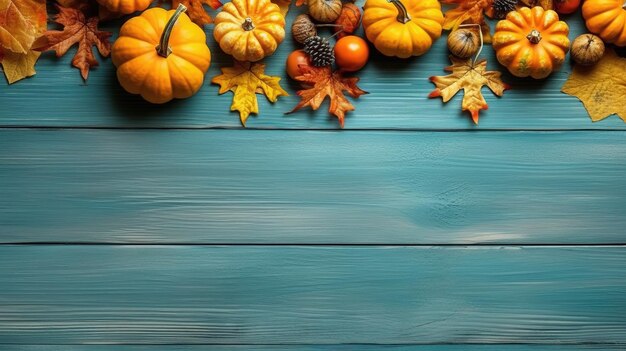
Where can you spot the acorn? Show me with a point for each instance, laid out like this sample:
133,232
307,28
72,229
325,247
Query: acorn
587,49
303,28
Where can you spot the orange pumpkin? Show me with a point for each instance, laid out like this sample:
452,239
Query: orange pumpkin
161,55
607,19
402,28
125,7
531,42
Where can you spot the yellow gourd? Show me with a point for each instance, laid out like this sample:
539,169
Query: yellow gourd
249,30
402,28
607,19
125,7
161,55
531,42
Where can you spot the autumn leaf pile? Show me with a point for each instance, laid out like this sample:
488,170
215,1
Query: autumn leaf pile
21,23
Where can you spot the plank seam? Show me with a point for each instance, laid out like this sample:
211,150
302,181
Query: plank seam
330,130
585,343
486,245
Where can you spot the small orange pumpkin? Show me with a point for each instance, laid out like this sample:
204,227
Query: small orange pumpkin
607,19
249,29
125,7
402,28
161,55
531,42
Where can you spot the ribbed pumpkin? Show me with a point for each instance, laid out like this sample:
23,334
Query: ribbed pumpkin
402,28
249,29
607,19
161,55
125,7
531,42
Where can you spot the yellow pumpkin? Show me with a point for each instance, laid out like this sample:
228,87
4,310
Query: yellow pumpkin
125,7
607,19
531,42
161,55
402,28
249,29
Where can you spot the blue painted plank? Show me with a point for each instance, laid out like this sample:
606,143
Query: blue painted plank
311,295
461,347
210,186
58,97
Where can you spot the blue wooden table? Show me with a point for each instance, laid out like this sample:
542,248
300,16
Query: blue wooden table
173,228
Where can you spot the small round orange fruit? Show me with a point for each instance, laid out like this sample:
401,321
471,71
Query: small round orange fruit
351,53
295,61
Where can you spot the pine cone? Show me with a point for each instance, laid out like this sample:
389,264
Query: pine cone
320,51
502,7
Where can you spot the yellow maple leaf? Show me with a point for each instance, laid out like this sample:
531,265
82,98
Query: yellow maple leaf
471,77
245,80
19,66
21,22
601,87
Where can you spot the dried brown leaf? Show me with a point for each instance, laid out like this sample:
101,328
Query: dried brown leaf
322,82
77,29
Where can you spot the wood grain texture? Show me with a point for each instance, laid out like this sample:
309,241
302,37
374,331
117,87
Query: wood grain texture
456,347
210,186
56,96
311,295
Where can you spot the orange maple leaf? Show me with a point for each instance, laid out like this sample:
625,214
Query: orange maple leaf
469,76
196,11
469,12
77,29
323,82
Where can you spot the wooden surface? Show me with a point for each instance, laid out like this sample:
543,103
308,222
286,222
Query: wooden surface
172,228
241,186
312,295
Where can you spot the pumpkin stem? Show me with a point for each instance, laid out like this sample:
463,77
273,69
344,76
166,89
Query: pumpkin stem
163,49
247,24
534,36
403,14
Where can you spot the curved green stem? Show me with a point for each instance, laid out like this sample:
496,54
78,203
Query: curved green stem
163,49
403,14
